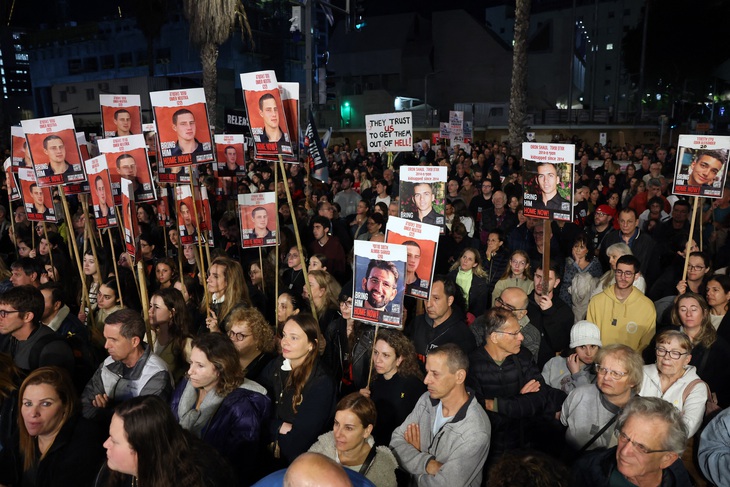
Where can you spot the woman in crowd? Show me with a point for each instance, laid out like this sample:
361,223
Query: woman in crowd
107,302
594,198
262,287
582,271
325,291
292,279
348,347
145,441
619,374
671,376
614,252
351,445
461,213
171,324
375,224
468,273
288,305
397,382
718,297
576,367
216,404
497,259
518,274
253,339
358,225
165,273
191,264
227,290
302,391
672,266
96,273
698,270
57,447
317,262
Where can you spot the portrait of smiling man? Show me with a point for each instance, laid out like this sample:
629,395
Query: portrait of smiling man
381,284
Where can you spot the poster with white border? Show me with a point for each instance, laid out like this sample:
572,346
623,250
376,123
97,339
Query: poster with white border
102,200
230,152
121,115
421,242
547,175
379,284
423,193
389,132
127,158
257,212
266,114
701,168
37,200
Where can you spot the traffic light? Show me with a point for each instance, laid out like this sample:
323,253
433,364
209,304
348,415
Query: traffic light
358,14
346,113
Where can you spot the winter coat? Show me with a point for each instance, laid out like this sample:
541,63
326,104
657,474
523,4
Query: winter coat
595,470
337,355
554,325
478,298
454,330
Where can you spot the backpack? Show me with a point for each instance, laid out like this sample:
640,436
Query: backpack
85,360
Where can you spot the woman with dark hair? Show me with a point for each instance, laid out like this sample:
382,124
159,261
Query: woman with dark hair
317,262
165,273
107,301
375,224
262,287
699,268
171,324
351,445
496,258
146,447
517,274
461,213
227,290
582,272
288,305
292,279
397,382
96,272
56,447
302,391
217,404
718,297
253,339
468,273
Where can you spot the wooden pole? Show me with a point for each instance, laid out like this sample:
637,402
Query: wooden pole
375,338
547,235
145,300
691,237
261,266
12,225
278,237
116,270
92,242
299,240
200,246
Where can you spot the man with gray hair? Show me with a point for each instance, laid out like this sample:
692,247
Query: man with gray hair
131,369
651,437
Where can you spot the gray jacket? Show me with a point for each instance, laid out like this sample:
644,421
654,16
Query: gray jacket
148,377
461,445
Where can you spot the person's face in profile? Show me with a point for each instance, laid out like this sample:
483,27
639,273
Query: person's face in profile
55,150
100,192
270,113
231,156
260,219
185,127
547,178
123,122
37,194
423,197
704,171
127,168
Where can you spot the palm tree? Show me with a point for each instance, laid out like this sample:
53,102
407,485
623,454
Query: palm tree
518,90
211,24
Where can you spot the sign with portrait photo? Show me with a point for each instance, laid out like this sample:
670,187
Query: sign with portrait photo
422,194
163,208
230,151
129,218
37,199
548,180
379,283
11,180
701,168
55,152
102,199
258,219
121,115
183,130
18,148
126,157
389,132
421,242
173,175
266,114
186,214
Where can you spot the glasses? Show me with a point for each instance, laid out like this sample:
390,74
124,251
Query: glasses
4,313
620,273
673,354
506,306
512,334
239,337
615,374
622,438
695,267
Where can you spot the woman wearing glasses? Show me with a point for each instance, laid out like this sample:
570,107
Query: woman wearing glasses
698,270
619,373
254,340
671,377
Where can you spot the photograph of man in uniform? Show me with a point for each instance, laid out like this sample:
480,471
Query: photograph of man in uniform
706,168
183,123
260,219
39,202
380,282
270,114
55,149
188,220
105,210
122,122
423,198
127,168
547,180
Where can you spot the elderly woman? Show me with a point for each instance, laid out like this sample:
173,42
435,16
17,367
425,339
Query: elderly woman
671,377
218,405
57,447
590,411
253,339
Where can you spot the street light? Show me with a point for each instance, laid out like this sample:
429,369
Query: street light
425,96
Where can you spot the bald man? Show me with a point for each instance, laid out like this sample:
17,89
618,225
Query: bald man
314,470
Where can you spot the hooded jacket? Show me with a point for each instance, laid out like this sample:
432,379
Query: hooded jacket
631,322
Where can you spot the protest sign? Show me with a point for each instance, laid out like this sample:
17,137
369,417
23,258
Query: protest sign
258,219
11,180
120,115
230,150
163,208
548,180
126,157
18,148
101,193
422,193
38,200
183,130
379,283
389,132
701,168
421,242
266,114
129,218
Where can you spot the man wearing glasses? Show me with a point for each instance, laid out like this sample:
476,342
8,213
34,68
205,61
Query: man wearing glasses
515,300
506,382
651,436
622,312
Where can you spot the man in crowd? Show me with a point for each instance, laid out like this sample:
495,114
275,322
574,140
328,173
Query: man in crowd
516,301
347,197
39,206
26,271
481,202
328,245
641,244
602,225
445,439
260,219
424,198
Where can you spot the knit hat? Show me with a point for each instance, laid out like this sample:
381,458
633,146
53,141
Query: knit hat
606,210
585,333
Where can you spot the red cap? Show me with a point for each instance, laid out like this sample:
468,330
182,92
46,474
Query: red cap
606,210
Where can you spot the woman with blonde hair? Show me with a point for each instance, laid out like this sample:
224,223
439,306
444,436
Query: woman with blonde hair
325,296
227,290
469,275
518,274
253,339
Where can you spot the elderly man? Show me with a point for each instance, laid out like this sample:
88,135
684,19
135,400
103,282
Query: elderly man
651,437
445,439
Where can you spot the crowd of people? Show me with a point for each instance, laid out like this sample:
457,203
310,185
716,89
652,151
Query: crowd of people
601,365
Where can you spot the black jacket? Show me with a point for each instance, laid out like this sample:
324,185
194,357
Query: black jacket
554,325
454,330
478,297
340,359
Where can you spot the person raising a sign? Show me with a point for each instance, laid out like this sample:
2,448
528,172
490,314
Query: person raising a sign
423,198
547,179
183,123
123,122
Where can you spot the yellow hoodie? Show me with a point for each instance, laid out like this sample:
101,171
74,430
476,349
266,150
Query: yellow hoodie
632,322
